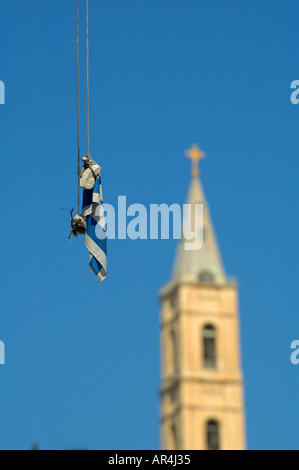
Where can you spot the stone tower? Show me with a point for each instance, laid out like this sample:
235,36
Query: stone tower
202,386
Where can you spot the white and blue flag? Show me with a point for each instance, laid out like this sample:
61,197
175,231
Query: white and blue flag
95,233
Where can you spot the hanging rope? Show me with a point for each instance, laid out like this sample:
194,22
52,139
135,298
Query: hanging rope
78,103
78,90
87,71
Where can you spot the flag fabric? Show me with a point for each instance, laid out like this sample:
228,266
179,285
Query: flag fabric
95,233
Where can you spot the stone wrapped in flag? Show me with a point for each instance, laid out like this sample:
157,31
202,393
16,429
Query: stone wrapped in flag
93,213
93,218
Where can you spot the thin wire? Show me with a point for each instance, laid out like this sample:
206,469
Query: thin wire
87,55
78,103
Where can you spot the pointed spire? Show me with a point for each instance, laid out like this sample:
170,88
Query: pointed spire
203,265
195,154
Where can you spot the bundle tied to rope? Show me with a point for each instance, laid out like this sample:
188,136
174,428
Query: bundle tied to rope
91,222
89,172
78,225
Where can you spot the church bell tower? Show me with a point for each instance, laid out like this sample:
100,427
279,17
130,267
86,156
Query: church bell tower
201,384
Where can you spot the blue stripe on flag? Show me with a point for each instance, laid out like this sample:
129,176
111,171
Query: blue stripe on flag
97,247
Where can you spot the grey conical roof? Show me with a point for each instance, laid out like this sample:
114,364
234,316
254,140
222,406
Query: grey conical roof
204,264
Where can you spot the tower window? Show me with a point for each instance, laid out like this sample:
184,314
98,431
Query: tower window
173,350
174,445
213,435
206,277
209,347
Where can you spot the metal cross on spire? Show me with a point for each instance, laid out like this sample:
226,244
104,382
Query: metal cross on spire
195,154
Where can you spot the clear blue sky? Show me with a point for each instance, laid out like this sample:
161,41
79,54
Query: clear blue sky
83,359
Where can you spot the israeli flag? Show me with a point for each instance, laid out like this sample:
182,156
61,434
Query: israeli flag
95,235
